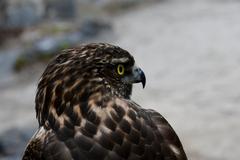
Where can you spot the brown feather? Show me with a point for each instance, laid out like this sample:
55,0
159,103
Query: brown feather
85,112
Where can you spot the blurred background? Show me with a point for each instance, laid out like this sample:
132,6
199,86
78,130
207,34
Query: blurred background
189,50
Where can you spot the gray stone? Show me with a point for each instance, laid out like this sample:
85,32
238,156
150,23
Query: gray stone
92,27
60,9
47,46
13,142
15,13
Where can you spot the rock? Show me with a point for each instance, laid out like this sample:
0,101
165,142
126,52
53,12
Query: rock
3,7
13,142
6,33
91,27
15,13
60,9
108,6
2,150
46,47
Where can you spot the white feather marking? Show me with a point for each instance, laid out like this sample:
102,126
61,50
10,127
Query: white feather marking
67,62
100,112
39,133
174,149
83,122
98,134
120,60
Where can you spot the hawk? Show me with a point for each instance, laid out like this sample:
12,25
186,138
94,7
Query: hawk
85,112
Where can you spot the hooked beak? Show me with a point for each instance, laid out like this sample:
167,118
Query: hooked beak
137,76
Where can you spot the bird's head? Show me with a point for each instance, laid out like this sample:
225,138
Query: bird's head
116,67
77,73
102,64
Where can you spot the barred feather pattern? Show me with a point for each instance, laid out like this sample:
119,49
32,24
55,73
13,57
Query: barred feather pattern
85,112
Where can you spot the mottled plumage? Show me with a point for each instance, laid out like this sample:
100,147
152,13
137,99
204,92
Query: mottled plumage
85,112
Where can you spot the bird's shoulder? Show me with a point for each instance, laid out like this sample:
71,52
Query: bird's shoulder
35,146
45,145
121,129
155,129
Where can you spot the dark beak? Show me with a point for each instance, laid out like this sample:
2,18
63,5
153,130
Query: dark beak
136,76
139,76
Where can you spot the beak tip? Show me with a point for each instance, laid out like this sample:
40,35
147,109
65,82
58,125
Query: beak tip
143,86
138,76
143,79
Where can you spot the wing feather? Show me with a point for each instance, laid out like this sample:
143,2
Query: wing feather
122,130
34,147
169,140
45,145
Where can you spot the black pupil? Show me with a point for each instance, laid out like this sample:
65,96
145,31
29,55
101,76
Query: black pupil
120,69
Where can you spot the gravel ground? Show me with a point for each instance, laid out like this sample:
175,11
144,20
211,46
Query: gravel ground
189,52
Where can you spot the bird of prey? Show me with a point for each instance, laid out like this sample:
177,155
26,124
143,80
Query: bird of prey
85,112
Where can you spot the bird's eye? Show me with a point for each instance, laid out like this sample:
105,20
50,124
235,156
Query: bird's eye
120,69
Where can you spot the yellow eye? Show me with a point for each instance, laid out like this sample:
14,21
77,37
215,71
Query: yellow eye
120,69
